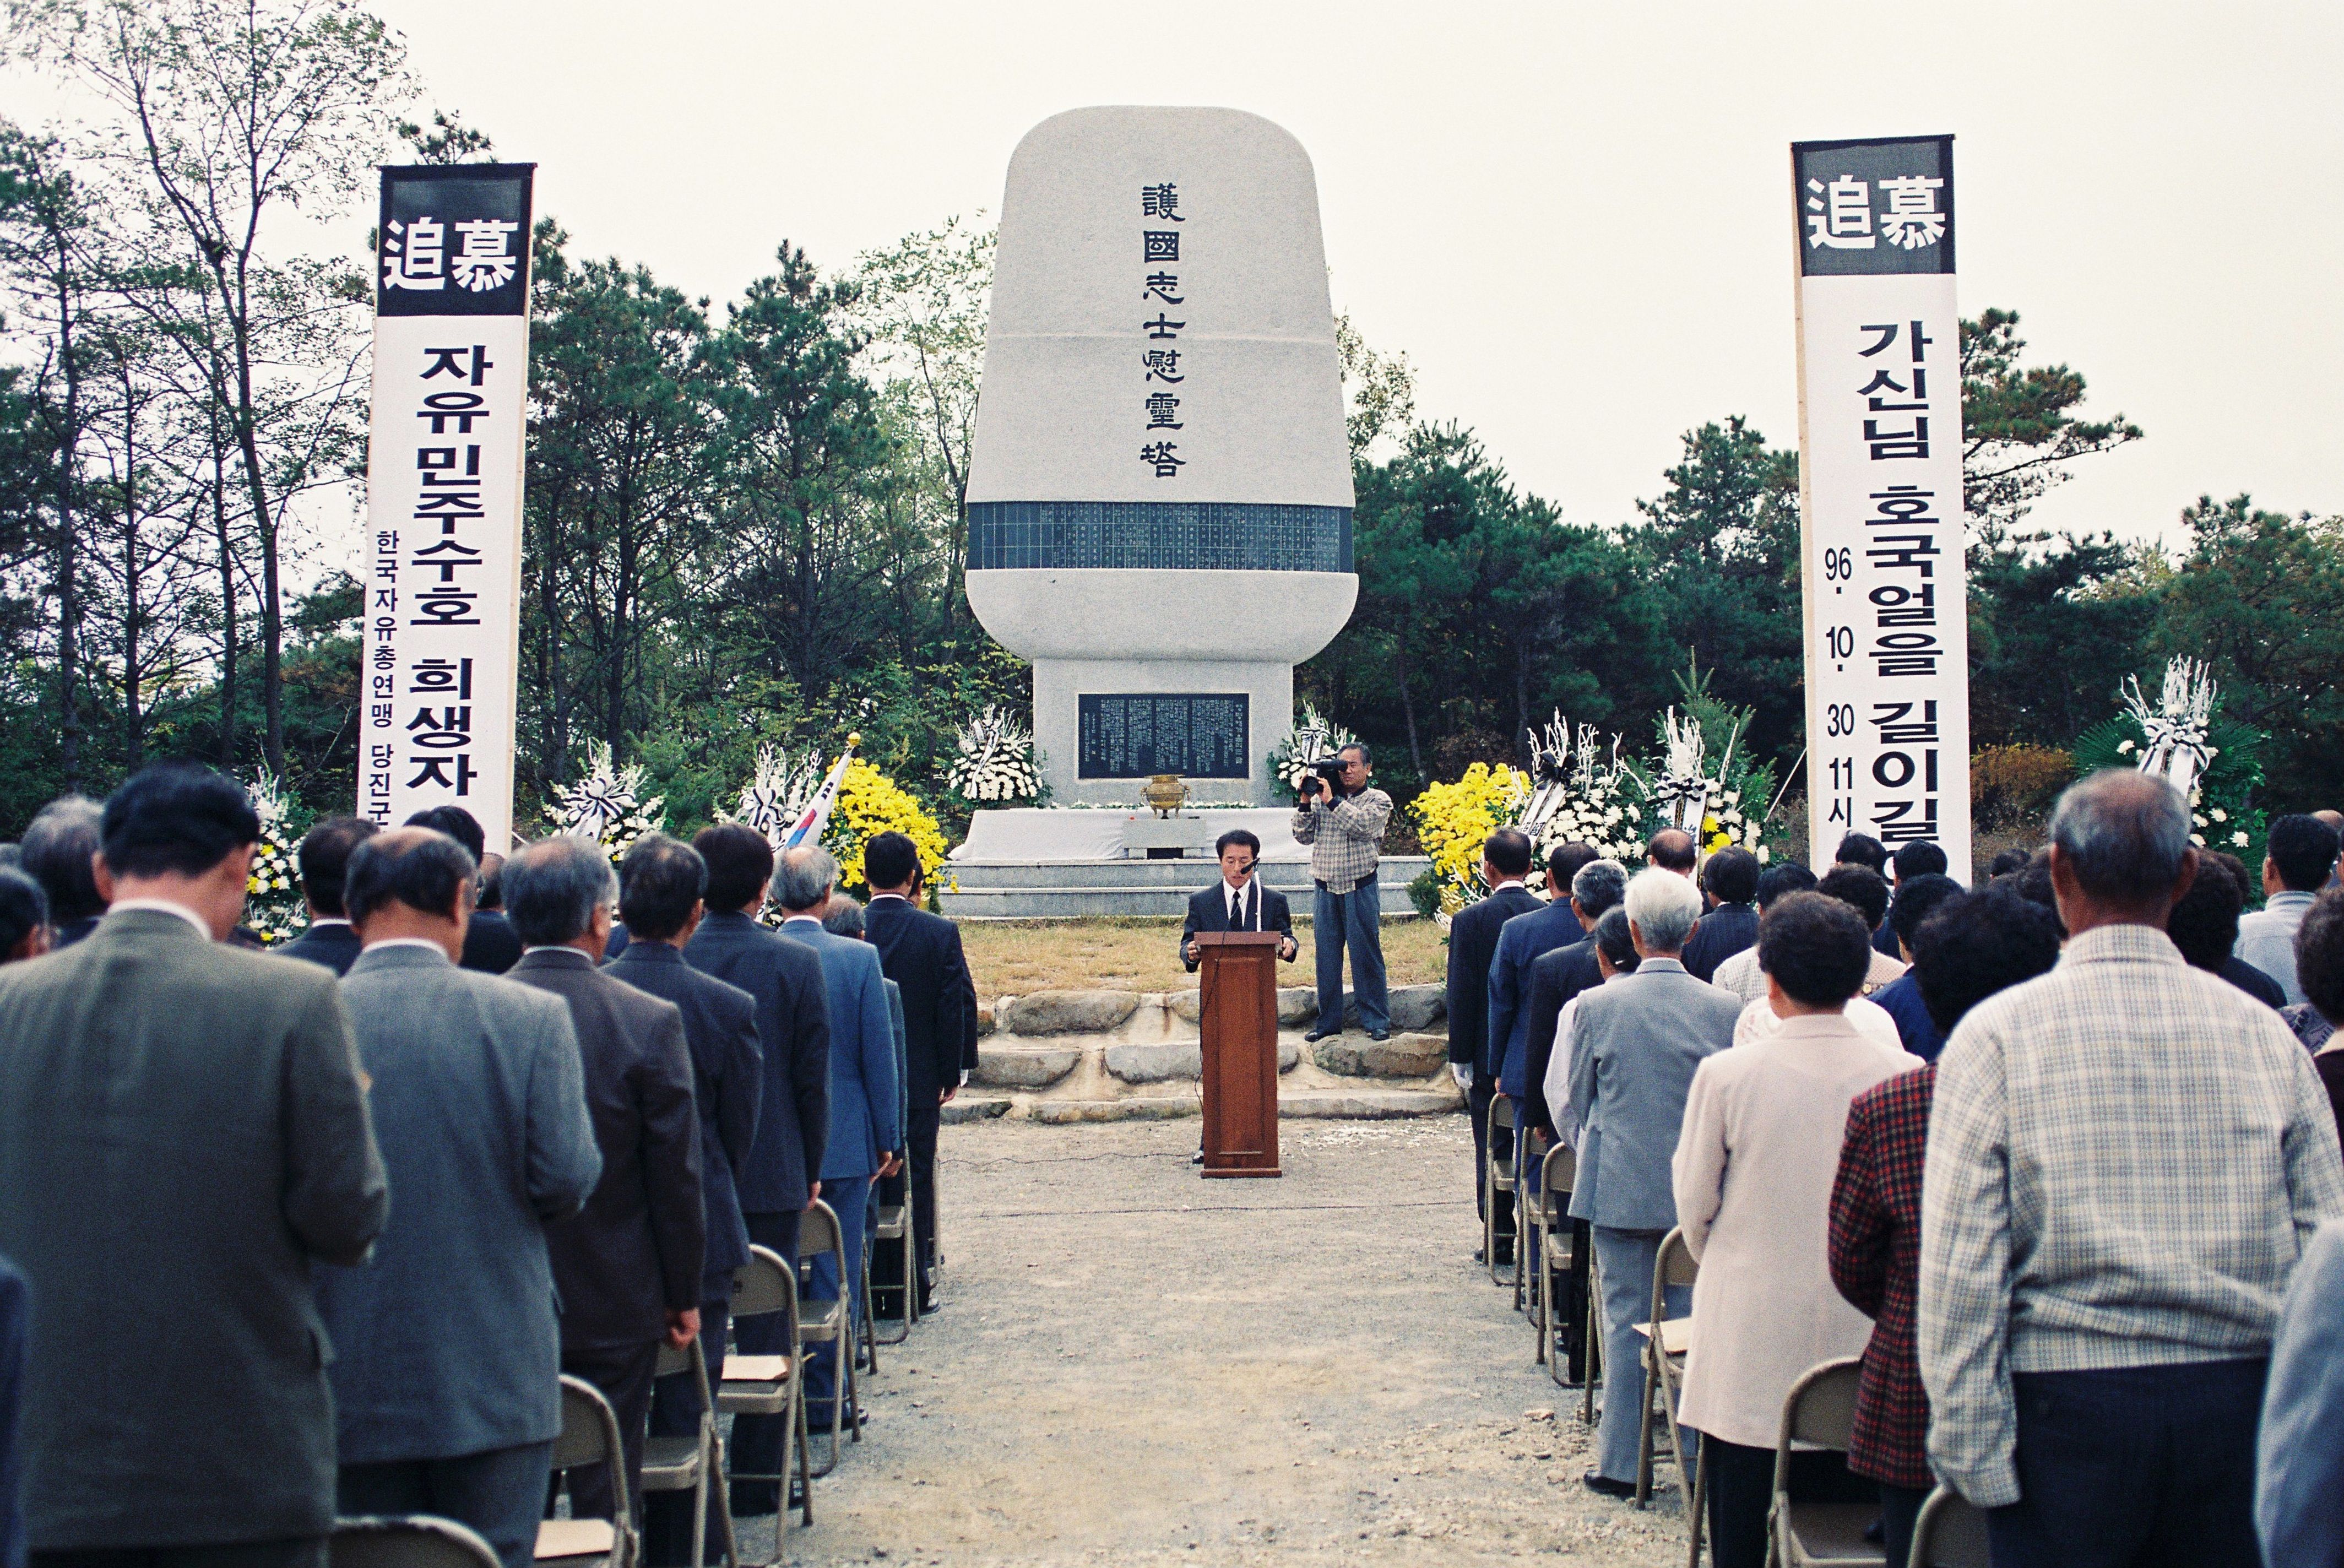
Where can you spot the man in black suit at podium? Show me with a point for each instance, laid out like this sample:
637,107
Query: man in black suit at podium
1238,901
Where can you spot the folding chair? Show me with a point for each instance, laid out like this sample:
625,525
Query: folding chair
1499,1177
1949,1533
590,1435
693,1463
893,1227
406,1541
1592,1306
831,1322
1666,1341
769,1385
1560,1329
1820,1411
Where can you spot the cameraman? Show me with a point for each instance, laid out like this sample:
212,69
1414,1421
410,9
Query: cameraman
1345,830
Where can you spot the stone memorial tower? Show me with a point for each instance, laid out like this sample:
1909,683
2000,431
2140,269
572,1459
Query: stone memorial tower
1159,499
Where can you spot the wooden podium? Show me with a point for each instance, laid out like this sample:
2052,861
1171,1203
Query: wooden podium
1240,1027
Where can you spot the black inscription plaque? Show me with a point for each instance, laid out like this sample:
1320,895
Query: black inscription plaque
1196,734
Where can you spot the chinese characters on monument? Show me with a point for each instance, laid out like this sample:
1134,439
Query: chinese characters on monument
1880,422
443,572
1160,249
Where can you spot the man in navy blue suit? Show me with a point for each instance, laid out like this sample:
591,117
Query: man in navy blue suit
865,1135
779,1180
324,858
1472,946
921,953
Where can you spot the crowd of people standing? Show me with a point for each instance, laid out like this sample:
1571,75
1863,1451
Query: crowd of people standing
290,1237
2056,1157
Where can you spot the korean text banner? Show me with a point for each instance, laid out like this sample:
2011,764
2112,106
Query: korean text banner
1880,479
442,566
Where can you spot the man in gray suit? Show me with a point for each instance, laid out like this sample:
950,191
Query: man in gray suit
446,1390
1633,1048
628,1265
183,1132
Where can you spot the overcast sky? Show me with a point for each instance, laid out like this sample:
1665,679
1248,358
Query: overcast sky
1574,221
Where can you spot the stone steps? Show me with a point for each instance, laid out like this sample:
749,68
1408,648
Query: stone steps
1072,889
1367,1102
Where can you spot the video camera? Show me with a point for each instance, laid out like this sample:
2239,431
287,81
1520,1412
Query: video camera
1329,770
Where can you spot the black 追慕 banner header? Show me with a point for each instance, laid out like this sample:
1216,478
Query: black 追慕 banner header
453,240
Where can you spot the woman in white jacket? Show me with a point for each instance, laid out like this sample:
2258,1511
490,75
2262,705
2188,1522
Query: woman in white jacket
1752,1178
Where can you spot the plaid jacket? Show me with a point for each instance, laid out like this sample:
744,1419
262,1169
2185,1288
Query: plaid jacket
1876,1261
1346,839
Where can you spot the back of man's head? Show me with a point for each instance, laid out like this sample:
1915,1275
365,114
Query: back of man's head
2319,955
458,823
1862,849
492,884
739,863
1781,880
660,884
2303,851
2007,861
804,878
175,819
1673,849
2204,923
1918,897
1508,851
553,886
1976,943
419,868
1731,875
1599,885
1566,861
1615,941
890,860
325,858
1860,887
2123,835
1919,858
1663,906
57,852
24,910
842,917
1816,947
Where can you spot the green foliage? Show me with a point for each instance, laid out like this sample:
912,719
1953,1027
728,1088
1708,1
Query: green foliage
2259,596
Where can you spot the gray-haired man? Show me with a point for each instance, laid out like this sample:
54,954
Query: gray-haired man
1635,1044
2127,1158
627,1268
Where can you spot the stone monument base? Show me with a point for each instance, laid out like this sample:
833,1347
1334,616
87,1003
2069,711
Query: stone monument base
1060,686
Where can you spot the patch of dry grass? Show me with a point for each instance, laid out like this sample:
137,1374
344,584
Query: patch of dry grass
1016,958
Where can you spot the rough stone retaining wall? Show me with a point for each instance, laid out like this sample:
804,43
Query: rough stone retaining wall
1117,1056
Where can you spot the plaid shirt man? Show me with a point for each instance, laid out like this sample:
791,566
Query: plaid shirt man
1876,1261
2126,1157
1346,839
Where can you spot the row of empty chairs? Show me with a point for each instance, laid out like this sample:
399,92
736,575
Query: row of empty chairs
1562,1295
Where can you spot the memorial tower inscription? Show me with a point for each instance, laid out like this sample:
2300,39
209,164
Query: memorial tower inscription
1159,499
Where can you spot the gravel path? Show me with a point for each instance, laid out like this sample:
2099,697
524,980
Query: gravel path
1136,1365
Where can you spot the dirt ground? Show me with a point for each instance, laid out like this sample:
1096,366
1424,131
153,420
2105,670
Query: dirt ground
1135,1366
1016,958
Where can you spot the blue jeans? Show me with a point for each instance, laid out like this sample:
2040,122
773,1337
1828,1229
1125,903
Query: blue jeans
1627,1259
849,1198
1353,919
2133,1466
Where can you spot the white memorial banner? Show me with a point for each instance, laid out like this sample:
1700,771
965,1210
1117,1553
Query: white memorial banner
442,566
1880,491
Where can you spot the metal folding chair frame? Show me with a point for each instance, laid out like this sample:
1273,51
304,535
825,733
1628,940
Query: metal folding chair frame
590,1435
700,1468
1673,1266
765,1285
1497,1176
834,1326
